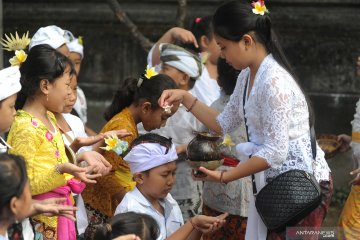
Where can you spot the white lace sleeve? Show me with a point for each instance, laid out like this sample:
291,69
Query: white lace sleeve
232,116
275,118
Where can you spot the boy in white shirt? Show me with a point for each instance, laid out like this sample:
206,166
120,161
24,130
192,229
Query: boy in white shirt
152,163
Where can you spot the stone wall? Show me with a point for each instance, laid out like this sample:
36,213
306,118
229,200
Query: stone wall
319,36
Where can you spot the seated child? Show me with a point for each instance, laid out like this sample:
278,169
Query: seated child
152,163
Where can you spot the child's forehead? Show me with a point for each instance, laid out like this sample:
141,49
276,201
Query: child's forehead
170,166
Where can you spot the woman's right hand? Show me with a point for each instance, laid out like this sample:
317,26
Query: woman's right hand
208,224
345,141
78,172
171,96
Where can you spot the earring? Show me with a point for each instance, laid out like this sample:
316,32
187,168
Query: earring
47,97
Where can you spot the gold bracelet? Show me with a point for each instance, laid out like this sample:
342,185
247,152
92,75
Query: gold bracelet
57,168
192,105
221,177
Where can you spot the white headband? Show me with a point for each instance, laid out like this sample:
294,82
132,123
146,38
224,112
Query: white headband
146,156
181,59
50,35
74,44
9,82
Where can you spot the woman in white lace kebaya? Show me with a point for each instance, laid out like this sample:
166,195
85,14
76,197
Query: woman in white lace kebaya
276,110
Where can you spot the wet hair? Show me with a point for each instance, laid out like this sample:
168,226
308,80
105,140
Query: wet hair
201,27
13,178
43,62
142,225
235,18
129,92
227,76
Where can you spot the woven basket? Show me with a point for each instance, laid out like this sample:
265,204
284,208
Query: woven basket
329,144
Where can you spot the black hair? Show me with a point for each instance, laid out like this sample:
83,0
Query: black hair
142,225
201,26
13,178
227,76
235,18
43,62
133,90
153,138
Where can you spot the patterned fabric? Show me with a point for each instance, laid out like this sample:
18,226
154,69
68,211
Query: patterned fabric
316,217
233,229
42,150
278,121
100,196
43,231
15,232
350,216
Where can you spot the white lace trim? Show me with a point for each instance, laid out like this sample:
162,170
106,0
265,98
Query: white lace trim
277,119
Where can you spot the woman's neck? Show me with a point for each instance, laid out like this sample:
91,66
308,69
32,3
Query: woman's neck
259,58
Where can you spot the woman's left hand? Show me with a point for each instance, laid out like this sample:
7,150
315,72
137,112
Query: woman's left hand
211,176
208,224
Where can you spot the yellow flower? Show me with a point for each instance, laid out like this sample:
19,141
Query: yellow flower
259,8
19,58
227,141
111,143
150,72
15,43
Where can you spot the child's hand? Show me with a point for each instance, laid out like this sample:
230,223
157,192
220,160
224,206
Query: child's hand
119,133
345,141
356,180
53,207
183,35
80,142
208,224
95,159
78,172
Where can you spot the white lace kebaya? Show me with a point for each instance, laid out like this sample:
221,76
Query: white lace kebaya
277,119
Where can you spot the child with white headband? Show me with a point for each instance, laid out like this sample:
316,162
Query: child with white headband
152,163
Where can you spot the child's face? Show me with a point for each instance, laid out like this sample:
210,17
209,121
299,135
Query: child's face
180,78
214,50
58,92
76,59
70,101
159,181
156,118
7,113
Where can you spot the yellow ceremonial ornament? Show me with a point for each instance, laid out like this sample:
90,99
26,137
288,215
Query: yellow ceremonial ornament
259,7
150,72
14,43
80,40
113,143
19,58
227,142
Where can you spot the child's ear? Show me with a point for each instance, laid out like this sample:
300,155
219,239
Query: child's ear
139,178
45,86
15,207
145,107
248,40
204,42
184,81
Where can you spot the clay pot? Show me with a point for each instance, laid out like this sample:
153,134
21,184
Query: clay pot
204,150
